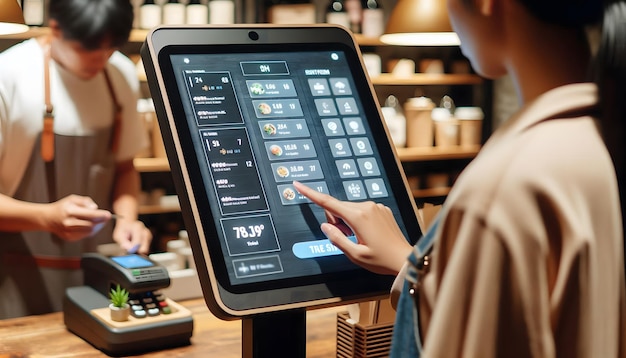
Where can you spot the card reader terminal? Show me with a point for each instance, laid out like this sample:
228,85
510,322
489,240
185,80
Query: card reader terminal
156,322
133,272
141,277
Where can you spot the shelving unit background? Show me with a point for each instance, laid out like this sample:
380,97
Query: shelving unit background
466,90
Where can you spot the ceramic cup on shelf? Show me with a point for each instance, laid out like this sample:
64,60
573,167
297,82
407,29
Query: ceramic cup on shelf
470,120
419,123
446,128
373,64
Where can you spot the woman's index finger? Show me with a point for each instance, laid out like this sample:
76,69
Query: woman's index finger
324,200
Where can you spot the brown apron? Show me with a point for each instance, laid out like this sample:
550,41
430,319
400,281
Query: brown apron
36,267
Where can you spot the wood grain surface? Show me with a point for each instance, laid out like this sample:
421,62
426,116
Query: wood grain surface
46,336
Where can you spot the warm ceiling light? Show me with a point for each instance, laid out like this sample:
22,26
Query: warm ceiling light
420,23
11,18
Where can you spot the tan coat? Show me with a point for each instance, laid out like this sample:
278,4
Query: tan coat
528,260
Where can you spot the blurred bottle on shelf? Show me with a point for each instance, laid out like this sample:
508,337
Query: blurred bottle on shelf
395,120
34,12
336,13
221,12
137,13
448,103
150,15
174,13
372,19
355,14
291,12
446,125
197,13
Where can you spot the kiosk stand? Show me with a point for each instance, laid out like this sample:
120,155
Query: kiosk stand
275,334
244,110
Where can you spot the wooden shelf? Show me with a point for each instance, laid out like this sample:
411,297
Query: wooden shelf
136,35
421,79
158,209
430,193
139,35
436,153
145,165
149,165
368,41
32,32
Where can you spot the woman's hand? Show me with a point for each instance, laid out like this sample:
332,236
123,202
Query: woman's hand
75,217
133,236
381,247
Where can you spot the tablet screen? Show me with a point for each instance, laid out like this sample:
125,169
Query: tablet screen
251,119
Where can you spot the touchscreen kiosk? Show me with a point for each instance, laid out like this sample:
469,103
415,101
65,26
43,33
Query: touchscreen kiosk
244,111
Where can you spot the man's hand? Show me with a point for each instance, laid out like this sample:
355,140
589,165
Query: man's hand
133,236
75,217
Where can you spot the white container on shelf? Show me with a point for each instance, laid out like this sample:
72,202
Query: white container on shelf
221,12
34,12
446,128
174,13
197,13
150,15
373,64
373,19
396,123
169,260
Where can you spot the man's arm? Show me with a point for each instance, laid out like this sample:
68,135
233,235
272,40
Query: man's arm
129,232
71,218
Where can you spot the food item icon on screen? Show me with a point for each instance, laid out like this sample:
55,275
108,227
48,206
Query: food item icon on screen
289,194
276,150
265,108
282,172
270,129
257,89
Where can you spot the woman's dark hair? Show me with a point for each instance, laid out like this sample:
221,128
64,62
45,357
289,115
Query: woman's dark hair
566,12
609,72
90,22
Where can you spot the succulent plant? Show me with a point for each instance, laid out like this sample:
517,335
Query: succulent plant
118,296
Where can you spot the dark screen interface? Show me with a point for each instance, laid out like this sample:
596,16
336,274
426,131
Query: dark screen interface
260,121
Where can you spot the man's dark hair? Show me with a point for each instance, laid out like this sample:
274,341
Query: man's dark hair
90,22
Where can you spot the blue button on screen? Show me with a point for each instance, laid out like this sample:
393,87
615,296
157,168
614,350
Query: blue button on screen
317,248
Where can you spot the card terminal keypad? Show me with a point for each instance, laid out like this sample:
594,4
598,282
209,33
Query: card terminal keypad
149,303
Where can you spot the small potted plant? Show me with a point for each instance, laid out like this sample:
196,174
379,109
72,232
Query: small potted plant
119,307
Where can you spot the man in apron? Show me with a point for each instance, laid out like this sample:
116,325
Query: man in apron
69,131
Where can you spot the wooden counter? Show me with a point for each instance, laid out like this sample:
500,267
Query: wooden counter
46,336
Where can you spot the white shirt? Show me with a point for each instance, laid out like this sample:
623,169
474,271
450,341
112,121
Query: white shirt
80,107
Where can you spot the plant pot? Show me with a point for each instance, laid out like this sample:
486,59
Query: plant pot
119,314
